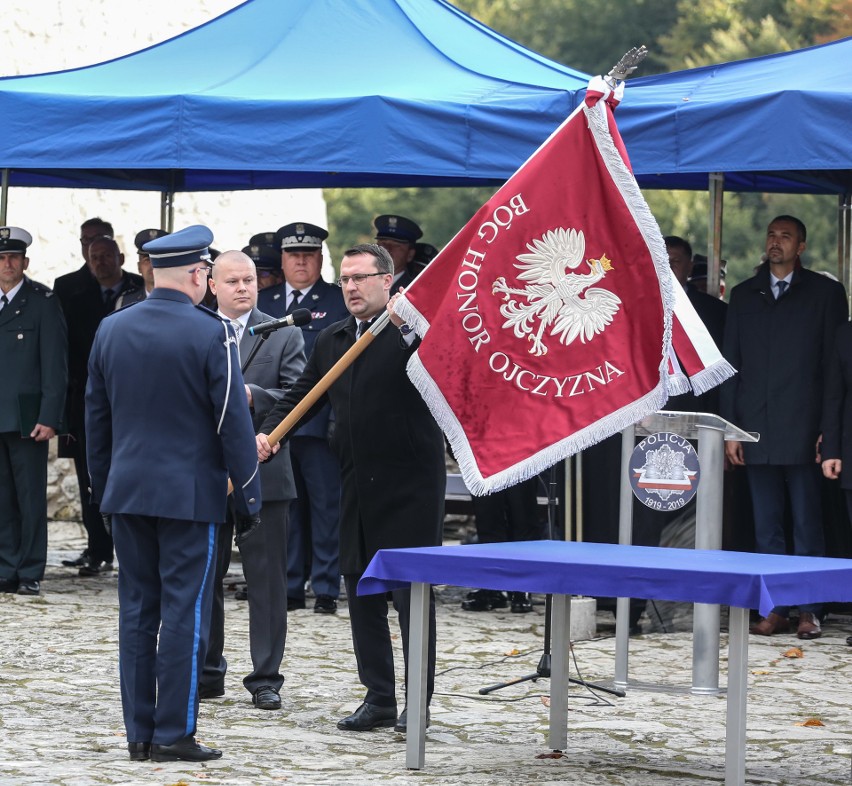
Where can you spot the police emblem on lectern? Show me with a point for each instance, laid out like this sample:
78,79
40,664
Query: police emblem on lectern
664,471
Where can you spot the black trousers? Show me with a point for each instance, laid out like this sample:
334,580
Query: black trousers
264,556
99,540
368,615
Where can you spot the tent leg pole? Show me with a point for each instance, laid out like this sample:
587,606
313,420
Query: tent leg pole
714,236
4,196
167,211
844,240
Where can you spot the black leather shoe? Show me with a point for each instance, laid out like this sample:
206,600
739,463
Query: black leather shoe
139,751
28,587
186,749
210,691
484,600
8,585
402,723
293,604
368,716
266,698
77,562
521,603
325,604
95,567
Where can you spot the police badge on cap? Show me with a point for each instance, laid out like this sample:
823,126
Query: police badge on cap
397,228
147,235
14,240
185,247
301,236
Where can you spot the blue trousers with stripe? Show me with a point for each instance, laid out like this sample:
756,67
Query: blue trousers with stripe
165,590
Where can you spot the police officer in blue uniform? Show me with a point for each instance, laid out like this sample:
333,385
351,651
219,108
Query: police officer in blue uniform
313,535
263,250
32,399
164,378
398,235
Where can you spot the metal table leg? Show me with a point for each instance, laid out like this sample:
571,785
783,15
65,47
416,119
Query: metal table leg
735,734
560,664
418,641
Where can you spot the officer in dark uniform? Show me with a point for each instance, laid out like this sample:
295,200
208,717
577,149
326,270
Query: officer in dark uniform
143,262
164,378
313,533
398,236
32,399
264,252
424,253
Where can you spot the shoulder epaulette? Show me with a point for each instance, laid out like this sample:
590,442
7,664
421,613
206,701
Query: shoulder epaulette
209,312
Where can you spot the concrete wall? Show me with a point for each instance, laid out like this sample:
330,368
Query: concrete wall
39,36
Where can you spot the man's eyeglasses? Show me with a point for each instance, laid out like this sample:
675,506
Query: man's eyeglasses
206,270
357,279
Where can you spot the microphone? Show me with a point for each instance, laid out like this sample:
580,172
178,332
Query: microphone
301,316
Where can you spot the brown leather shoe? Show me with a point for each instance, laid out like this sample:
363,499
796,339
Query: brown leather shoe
809,627
774,623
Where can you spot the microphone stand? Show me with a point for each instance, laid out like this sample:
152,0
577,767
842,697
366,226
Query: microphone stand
543,670
254,351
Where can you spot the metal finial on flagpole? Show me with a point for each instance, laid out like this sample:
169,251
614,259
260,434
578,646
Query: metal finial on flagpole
626,66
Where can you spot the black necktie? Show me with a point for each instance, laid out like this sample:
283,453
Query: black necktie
295,301
109,299
4,300
363,327
782,289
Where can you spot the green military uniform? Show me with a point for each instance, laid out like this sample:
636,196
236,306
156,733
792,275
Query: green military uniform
33,348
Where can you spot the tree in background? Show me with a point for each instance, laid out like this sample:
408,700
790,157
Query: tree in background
591,37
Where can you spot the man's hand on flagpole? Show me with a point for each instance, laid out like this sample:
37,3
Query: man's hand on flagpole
394,317
734,453
264,450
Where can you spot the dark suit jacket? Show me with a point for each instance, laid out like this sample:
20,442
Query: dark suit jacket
82,304
164,374
781,350
325,302
273,370
712,312
390,449
35,373
837,409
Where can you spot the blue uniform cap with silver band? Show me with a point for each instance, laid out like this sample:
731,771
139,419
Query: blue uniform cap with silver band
185,247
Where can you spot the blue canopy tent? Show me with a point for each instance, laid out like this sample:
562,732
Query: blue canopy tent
774,123
303,93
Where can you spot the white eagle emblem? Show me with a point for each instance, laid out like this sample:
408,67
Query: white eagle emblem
566,302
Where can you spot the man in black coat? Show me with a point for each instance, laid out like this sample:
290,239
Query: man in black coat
87,295
779,335
32,400
391,455
271,364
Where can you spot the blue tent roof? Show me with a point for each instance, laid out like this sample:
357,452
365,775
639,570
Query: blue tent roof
775,123
290,94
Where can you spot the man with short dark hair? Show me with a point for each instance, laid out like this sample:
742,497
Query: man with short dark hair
779,335
391,455
87,295
32,400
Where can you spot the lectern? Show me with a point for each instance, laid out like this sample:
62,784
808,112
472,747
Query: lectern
711,432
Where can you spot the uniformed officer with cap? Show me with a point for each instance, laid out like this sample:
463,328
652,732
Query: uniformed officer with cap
33,346
313,533
164,377
267,259
398,236
143,263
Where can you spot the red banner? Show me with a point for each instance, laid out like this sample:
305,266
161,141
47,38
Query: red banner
546,321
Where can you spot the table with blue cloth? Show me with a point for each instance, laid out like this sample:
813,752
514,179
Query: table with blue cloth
741,581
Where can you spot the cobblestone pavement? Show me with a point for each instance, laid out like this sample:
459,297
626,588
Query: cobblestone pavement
60,716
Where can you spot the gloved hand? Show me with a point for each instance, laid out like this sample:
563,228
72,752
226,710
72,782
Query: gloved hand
246,524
